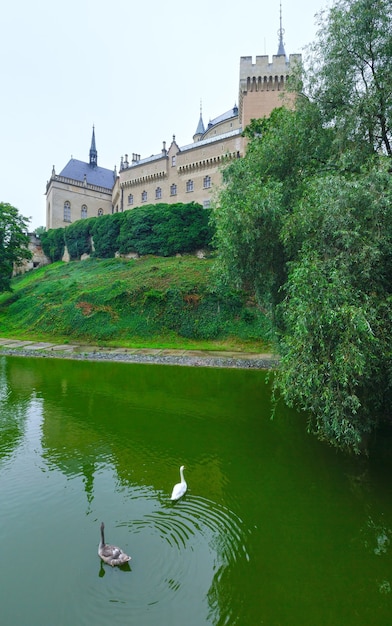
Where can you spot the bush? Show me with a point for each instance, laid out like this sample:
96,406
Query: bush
78,238
53,243
105,232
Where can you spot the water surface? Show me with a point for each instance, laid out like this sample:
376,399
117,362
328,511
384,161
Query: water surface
276,528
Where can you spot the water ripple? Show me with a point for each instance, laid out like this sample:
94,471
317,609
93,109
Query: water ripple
174,546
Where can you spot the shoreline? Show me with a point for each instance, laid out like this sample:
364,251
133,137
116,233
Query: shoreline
150,356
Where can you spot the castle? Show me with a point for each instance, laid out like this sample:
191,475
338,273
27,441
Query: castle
176,174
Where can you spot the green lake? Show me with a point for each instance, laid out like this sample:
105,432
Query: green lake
275,529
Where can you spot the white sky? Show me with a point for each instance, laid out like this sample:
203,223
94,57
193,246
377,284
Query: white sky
136,70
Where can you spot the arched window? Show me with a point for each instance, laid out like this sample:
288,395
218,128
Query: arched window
144,196
83,213
207,182
158,193
173,190
130,199
189,185
100,212
67,211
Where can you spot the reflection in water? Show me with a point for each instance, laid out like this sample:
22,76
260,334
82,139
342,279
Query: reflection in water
12,416
275,528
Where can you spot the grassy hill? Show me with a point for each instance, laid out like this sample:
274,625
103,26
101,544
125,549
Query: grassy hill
152,301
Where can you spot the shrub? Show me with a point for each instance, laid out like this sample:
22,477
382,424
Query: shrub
53,243
78,238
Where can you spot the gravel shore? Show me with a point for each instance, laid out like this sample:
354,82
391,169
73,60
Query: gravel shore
190,358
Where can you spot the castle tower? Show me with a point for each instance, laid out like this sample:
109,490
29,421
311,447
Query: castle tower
263,84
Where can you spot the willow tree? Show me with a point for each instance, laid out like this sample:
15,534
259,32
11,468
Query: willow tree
350,70
305,221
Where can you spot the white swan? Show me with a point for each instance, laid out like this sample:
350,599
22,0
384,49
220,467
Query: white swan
112,555
180,488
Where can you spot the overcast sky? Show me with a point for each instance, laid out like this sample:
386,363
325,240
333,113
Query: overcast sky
136,70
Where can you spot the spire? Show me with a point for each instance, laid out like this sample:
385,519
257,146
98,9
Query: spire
281,50
200,130
93,152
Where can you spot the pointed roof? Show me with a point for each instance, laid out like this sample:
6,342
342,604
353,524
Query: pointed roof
200,127
281,50
81,171
93,151
200,130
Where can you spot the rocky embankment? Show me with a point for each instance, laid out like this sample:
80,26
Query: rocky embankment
191,358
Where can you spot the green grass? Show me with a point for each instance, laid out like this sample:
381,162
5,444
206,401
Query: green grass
150,302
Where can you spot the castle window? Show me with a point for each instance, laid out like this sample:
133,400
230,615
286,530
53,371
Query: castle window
173,190
83,212
189,185
144,196
158,193
67,211
207,182
173,161
100,212
130,199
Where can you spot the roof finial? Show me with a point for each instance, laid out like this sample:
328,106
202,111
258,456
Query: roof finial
281,50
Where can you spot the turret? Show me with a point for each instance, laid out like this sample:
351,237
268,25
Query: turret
200,130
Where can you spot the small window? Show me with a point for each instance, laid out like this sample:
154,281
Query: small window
206,204
83,212
100,212
173,190
144,196
189,185
158,193
67,211
207,182
173,161
130,199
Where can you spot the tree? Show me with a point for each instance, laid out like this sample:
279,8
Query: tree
335,346
262,188
350,70
14,242
305,222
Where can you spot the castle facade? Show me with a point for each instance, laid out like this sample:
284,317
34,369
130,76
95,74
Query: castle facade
177,173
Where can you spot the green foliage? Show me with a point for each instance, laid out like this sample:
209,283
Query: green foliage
162,229
39,230
260,190
165,229
350,73
53,243
336,353
105,231
14,242
77,237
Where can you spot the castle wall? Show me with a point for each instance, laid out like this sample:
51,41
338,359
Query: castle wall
194,171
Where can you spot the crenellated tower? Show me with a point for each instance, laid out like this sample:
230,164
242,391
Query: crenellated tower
263,84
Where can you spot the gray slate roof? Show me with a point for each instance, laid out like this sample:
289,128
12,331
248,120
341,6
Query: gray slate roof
223,117
99,176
